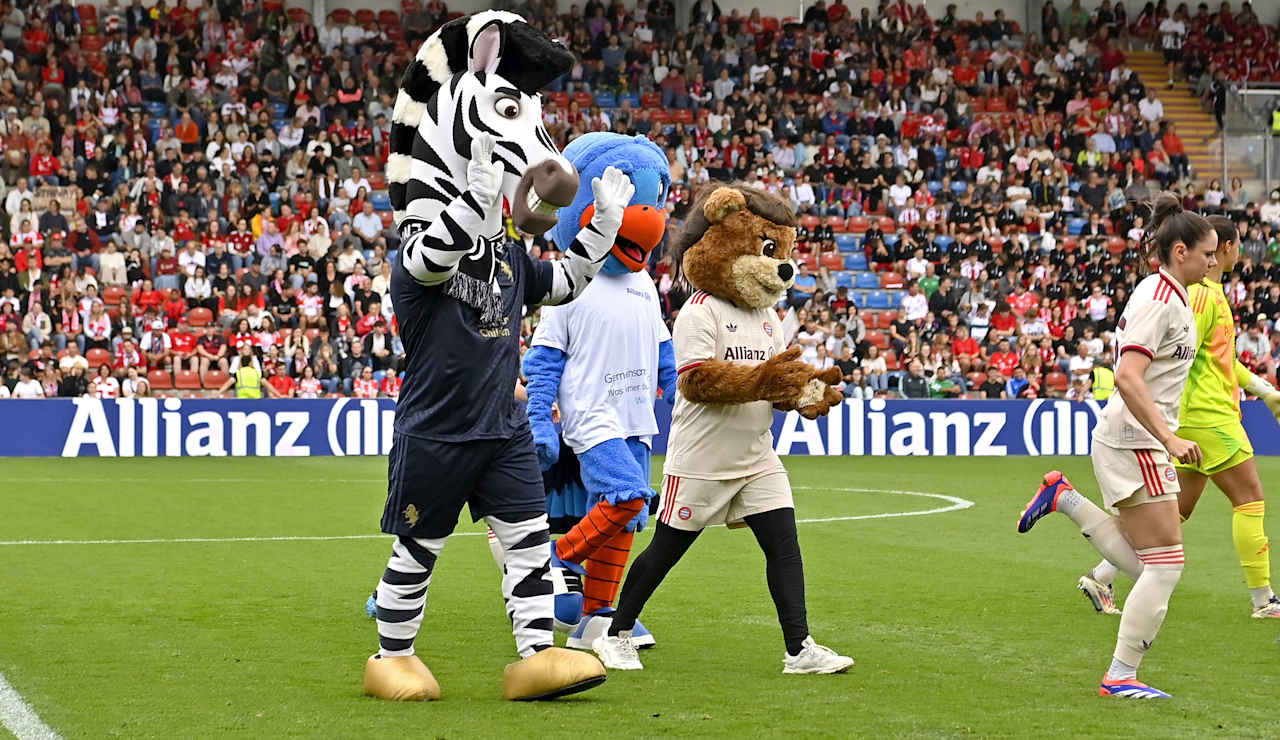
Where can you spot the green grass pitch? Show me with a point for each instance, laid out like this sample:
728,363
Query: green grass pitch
960,626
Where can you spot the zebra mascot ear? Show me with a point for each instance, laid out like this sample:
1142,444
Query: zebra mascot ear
486,49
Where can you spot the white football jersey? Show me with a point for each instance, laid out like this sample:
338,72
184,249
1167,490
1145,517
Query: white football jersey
610,334
1158,323
713,441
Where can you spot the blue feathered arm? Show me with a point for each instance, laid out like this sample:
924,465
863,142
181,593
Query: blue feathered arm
617,470
667,371
544,367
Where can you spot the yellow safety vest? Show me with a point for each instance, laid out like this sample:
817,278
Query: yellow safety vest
1275,122
1104,383
248,382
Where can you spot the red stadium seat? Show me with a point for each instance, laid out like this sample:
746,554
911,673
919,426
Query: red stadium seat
891,280
878,338
888,225
559,98
770,23
160,380
651,100
87,12
1117,244
1057,382
341,15
976,379
836,223
388,18
112,294
199,316
832,260
213,379
886,319
388,218
584,99
810,221
659,117
859,224
682,115
187,380
1070,244
891,362
377,180
365,16
311,334
97,357
92,42
298,15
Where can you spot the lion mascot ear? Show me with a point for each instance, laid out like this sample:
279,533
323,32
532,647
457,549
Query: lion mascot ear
721,203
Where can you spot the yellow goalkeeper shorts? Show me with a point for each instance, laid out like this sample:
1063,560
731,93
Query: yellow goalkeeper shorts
1222,447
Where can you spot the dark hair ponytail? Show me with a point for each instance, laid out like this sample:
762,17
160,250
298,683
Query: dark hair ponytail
1226,228
1171,224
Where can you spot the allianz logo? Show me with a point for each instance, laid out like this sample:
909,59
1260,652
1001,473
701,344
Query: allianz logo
154,427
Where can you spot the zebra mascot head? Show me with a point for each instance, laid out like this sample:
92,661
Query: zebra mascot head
479,74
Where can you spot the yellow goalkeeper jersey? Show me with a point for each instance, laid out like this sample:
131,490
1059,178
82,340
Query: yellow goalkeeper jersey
1212,394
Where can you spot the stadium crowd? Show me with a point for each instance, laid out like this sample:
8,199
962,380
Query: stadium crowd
186,189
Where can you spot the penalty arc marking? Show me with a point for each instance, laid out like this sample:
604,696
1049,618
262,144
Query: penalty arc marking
953,503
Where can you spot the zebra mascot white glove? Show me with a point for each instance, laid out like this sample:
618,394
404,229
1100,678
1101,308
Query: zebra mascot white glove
484,176
612,192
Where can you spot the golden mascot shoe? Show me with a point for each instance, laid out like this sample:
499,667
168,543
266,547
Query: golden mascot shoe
551,673
403,678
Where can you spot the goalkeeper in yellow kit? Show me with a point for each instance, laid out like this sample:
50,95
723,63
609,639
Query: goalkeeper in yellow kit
1210,417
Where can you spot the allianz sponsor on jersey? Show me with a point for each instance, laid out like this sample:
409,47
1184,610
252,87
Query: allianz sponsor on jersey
961,428
154,427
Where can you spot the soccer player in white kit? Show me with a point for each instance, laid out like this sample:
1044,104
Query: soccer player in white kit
1134,444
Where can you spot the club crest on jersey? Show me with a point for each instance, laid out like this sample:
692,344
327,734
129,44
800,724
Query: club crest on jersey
1168,473
684,513
768,328
731,327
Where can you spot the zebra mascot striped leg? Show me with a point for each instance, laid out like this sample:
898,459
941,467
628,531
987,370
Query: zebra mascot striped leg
466,134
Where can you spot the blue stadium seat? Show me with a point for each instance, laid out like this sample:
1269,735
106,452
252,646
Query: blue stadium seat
944,241
846,242
867,281
855,261
959,187
878,299
844,279
1075,226
279,110
890,240
860,300
935,186
896,296
940,153
633,98
157,110
381,201
274,197
606,100
278,124
153,129
1074,185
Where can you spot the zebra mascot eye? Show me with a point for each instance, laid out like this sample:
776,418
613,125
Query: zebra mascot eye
507,107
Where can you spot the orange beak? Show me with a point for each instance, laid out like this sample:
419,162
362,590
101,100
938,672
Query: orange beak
641,230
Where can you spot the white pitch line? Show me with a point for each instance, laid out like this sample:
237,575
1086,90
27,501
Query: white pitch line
19,718
955,503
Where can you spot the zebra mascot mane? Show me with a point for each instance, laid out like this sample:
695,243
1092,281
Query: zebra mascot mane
476,76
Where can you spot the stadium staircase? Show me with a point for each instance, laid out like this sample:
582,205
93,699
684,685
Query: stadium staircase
1195,125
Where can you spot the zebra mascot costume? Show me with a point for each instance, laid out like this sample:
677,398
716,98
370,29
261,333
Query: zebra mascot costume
466,133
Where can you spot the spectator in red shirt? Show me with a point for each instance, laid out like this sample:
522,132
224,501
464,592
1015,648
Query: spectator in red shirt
166,272
390,385
147,297
365,386
966,351
283,384
183,343
175,308
1005,360
1022,300
212,350
1003,324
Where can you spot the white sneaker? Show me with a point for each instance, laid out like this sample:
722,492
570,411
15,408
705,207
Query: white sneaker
1102,595
1269,610
617,653
815,658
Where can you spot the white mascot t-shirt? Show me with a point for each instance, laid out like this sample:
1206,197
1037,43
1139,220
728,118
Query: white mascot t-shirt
611,335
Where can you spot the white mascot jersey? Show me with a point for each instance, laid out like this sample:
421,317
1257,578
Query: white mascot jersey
610,335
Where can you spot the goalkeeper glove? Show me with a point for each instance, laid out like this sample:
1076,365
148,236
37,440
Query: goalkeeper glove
1266,393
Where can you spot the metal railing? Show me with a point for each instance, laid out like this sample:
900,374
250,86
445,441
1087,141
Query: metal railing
1246,143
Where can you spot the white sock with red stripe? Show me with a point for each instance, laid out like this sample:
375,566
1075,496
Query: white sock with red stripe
1148,602
1102,530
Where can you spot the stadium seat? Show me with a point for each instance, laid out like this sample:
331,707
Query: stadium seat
1057,382
606,99
831,261
213,379
837,223
810,221
891,280
298,15
890,240
810,260
651,100
378,180
888,225
847,242
996,243
959,187
380,201
891,362
584,99
388,218
944,241
885,319
878,299
96,357
1075,226
976,379
160,380
867,281
199,316
844,279
341,15
859,224
112,294
559,98
935,186
388,18
682,115
1117,244
896,296
365,16
632,98
855,261
187,380
859,299
878,338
